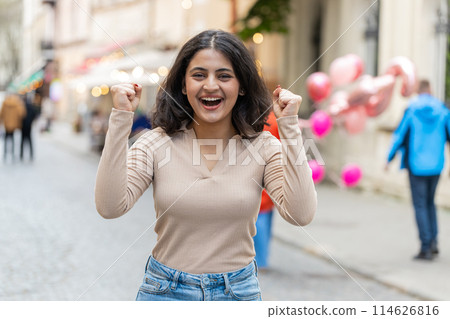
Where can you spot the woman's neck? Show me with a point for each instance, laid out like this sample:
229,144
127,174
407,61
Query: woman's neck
213,131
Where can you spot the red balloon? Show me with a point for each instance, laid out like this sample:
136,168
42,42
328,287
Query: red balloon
402,66
318,86
321,123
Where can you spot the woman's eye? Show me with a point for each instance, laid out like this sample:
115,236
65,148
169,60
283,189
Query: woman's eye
225,76
197,75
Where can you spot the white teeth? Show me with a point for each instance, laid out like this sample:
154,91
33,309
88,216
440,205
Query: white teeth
211,99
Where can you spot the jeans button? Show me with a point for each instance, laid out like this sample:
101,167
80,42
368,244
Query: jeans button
206,280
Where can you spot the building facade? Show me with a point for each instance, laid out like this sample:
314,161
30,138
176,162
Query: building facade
10,46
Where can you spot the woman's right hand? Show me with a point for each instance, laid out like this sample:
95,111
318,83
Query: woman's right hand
126,97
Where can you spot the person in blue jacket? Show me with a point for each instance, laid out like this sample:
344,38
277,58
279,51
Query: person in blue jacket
421,138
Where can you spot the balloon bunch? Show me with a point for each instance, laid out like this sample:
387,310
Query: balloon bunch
351,173
346,97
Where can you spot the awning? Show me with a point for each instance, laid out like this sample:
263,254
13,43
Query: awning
102,73
28,81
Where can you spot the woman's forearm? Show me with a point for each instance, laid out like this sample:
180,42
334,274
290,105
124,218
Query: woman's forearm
111,188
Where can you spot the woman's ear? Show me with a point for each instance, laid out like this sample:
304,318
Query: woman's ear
241,92
183,88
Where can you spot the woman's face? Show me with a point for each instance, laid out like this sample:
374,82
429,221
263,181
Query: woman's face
211,87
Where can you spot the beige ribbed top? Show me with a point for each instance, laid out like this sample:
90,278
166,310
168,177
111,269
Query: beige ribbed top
205,219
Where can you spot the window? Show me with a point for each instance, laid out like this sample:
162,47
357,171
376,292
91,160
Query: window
371,36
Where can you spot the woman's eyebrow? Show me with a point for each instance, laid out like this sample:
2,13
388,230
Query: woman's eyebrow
224,69
198,68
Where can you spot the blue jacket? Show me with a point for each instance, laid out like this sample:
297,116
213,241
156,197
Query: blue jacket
421,136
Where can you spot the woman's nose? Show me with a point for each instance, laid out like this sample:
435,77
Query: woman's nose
210,83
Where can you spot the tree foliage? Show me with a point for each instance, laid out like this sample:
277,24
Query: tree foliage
265,16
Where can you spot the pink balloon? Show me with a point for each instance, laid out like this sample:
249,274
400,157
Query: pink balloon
377,103
364,89
318,171
338,103
351,175
346,69
318,86
321,123
355,119
402,66
359,65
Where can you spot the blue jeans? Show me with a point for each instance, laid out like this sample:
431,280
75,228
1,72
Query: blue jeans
423,189
262,238
162,283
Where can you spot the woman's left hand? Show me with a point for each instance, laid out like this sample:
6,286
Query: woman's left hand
285,103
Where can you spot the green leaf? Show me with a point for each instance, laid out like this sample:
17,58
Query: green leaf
266,16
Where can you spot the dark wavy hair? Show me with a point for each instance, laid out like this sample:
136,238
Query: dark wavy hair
250,111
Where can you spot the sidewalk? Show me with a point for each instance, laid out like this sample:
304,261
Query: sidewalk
374,235
63,135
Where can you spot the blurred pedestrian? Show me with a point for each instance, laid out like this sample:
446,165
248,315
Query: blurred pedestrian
141,124
264,221
421,137
27,124
11,115
208,159
98,128
47,113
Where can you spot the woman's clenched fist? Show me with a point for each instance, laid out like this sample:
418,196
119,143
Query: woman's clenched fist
126,97
285,103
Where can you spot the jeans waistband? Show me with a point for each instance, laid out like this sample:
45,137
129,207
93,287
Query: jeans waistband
204,280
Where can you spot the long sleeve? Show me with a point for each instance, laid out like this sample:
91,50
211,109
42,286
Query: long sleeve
399,135
447,128
288,177
122,175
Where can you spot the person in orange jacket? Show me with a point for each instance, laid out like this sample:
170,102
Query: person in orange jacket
11,115
264,221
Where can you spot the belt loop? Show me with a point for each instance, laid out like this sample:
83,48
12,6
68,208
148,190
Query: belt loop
256,267
175,280
148,261
227,283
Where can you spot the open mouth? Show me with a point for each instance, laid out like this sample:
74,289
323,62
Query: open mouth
211,101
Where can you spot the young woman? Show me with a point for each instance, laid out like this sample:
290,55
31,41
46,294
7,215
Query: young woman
208,159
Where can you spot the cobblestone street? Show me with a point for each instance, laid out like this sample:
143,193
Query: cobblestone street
54,245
